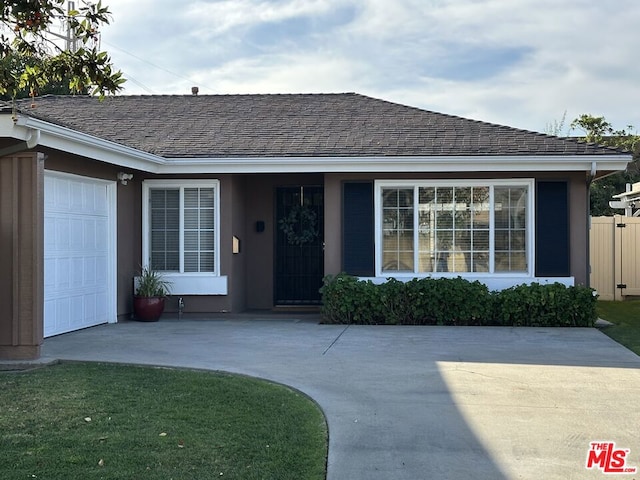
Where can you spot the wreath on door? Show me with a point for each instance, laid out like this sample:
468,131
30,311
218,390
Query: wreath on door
300,225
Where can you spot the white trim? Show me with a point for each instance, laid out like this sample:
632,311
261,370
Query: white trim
187,283
399,164
197,284
68,140
530,215
112,194
72,141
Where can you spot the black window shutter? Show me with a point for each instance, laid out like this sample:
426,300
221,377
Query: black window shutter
357,229
552,229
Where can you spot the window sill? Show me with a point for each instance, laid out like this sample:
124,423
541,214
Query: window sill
196,284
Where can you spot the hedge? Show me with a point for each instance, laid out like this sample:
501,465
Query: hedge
454,301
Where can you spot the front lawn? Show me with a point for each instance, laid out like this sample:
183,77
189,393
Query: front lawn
626,318
95,421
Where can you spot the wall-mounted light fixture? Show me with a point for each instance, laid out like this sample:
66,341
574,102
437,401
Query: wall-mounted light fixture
124,177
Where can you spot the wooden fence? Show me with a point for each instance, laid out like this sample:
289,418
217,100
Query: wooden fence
614,255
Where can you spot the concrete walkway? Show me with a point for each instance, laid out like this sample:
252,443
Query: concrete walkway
415,402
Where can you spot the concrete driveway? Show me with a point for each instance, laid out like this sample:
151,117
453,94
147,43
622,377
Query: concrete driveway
415,402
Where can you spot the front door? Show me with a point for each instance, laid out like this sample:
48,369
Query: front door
299,257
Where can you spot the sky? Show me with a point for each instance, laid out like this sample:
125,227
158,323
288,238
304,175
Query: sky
521,63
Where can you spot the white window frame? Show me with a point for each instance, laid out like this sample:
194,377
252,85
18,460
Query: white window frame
491,183
185,283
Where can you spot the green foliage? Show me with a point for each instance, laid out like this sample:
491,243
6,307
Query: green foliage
454,301
348,300
151,284
31,58
552,305
12,67
442,301
599,130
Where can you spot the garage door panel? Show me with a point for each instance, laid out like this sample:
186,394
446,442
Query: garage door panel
102,236
102,266
89,272
76,197
62,227
77,317
63,274
78,260
62,197
63,314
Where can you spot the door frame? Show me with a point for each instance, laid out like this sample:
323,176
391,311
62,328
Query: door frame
277,248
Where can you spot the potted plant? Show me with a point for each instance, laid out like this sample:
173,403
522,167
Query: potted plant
150,292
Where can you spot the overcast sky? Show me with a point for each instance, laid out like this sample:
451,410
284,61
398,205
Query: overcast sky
520,63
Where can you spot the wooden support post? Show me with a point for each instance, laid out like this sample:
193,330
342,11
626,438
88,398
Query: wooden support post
21,255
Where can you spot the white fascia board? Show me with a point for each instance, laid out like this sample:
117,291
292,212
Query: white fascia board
390,164
72,141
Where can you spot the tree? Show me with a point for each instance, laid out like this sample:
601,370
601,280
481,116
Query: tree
17,65
31,57
556,127
599,130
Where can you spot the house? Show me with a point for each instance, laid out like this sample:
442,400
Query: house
247,201
629,200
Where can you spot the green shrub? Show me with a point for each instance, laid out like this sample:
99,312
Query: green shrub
553,305
348,300
448,301
454,301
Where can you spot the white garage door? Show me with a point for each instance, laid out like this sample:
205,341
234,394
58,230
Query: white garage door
79,253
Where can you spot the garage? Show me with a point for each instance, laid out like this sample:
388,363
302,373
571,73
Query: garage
79,252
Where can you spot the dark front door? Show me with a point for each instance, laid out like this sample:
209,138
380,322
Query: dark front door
299,239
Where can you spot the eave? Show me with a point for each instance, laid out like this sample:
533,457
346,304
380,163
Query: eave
67,140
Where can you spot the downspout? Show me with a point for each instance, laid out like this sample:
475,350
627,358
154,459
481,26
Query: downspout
34,138
590,177
31,142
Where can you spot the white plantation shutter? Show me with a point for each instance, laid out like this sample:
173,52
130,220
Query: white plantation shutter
165,229
182,229
199,230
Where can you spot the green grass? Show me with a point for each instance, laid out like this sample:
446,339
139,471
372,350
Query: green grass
95,421
626,318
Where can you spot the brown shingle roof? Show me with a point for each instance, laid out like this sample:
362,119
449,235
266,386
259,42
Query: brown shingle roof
287,125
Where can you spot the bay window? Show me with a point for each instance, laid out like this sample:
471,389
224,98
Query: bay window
432,227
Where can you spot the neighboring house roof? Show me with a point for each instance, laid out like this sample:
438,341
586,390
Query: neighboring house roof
289,125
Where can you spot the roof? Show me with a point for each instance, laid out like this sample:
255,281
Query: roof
289,125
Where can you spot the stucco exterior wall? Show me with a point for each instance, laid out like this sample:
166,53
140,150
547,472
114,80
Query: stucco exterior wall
578,208
579,227
247,200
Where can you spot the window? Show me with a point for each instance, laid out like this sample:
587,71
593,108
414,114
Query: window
472,227
181,226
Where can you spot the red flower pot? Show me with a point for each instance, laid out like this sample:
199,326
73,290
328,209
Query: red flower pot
148,309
